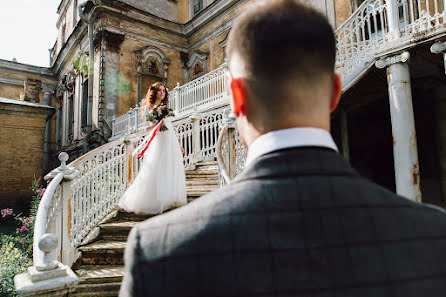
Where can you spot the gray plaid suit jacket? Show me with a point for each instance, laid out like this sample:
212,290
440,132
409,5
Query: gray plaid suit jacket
297,222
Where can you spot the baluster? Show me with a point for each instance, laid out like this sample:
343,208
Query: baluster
437,21
444,11
428,13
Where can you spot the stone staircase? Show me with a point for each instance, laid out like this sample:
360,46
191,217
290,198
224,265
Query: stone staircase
101,265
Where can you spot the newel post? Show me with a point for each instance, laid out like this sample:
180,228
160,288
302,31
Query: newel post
129,171
232,154
196,137
49,277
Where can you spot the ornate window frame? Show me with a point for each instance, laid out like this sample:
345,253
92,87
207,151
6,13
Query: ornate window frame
142,56
196,58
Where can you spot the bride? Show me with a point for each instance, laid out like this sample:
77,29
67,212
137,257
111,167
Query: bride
161,182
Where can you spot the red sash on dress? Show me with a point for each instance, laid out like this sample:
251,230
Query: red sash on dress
155,131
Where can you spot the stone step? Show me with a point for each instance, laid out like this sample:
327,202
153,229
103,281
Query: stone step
201,182
204,168
116,231
130,216
103,252
195,193
96,290
204,171
96,274
207,163
203,188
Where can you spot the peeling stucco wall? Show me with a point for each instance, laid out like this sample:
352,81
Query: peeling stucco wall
166,9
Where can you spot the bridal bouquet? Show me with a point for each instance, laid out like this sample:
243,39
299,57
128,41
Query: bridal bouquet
158,113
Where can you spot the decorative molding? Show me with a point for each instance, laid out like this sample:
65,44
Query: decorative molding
41,72
20,82
11,80
152,61
197,64
388,61
69,47
438,47
224,27
210,13
19,107
143,56
222,43
197,57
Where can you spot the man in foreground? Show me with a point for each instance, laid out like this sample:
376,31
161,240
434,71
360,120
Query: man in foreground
298,221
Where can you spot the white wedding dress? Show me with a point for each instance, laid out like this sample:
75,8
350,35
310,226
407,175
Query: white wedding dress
161,181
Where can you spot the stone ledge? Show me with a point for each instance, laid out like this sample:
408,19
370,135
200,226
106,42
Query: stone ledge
19,107
43,72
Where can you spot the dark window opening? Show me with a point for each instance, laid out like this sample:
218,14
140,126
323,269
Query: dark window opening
197,6
70,118
84,104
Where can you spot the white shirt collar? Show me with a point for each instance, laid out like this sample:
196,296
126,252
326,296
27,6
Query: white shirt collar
288,138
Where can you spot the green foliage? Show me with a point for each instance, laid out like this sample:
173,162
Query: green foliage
13,260
81,64
16,250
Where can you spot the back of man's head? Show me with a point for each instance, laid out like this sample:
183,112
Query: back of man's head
285,51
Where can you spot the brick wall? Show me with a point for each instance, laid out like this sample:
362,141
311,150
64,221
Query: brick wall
22,128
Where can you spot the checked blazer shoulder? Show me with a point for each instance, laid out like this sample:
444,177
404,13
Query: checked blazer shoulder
296,222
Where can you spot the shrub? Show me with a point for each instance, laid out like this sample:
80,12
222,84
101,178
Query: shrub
13,261
16,250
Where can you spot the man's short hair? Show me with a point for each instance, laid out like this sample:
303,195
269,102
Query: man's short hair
282,42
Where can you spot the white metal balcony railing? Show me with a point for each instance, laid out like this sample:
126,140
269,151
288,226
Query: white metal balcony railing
365,34
81,194
207,92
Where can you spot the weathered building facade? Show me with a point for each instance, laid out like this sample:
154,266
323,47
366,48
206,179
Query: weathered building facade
390,123
130,45
26,130
135,43
108,52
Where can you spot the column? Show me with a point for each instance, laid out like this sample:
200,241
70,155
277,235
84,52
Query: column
440,113
47,92
440,48
393,19
407,173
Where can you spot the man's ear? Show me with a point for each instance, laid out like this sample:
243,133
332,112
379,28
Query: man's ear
337,92
239,95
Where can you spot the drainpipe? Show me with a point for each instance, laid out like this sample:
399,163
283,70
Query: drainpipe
89,21
47,92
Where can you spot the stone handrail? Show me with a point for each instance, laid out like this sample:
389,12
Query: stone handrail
48,276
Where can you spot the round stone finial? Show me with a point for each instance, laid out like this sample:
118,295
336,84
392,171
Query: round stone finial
48,243
63,157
